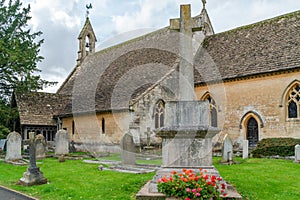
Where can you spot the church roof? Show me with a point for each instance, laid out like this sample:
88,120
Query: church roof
38,108
110,78
269,46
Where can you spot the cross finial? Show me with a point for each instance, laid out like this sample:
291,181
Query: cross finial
88,7
203,2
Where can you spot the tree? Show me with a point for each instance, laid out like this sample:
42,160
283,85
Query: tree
19,55
19,50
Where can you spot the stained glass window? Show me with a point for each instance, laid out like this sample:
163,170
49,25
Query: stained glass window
293,102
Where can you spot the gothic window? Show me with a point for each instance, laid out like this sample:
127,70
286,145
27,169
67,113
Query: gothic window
293,104
103,125
213,111
159,114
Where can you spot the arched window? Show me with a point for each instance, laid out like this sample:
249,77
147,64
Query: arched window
213,111
159,114
103,126
87,44
293,102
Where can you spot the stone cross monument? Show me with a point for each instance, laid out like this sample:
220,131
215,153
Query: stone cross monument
187,133
186,25
33,175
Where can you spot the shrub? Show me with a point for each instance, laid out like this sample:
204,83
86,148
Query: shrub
3,132
275,146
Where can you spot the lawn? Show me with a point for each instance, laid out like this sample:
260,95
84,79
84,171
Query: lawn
73,179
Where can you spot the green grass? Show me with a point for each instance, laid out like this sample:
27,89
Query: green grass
74,179
253,178
263,178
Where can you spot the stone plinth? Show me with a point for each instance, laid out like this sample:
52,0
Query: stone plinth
185,114
189,148
33,176
187,136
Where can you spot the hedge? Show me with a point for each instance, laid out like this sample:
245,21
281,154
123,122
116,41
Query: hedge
275,146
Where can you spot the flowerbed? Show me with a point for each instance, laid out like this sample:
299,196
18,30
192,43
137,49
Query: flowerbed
191,185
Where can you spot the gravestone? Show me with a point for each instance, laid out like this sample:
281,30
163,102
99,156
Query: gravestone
148,133
297,153
13,147
227,150
245,149
41,147
128,149
2,144
72,147
62,142
33,175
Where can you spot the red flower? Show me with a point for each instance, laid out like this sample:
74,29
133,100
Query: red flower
206,177
223,186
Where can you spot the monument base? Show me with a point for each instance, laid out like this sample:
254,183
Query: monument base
150,192
33,176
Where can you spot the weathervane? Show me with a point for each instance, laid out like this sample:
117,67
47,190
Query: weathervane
203,2
88,7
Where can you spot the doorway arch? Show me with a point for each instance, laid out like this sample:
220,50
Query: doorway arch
251,125
252,132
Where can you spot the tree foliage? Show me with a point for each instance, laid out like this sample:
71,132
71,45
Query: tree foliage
19,55
19,50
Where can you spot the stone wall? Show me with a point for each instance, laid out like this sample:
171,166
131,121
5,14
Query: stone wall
144,107
261,97
88,128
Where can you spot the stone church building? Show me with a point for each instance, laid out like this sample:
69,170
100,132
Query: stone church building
250,76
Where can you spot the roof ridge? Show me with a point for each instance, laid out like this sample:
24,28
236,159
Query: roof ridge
265,21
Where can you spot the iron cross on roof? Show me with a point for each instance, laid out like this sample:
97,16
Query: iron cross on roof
186,25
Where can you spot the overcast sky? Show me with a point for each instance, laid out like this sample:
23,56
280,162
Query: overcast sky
61,22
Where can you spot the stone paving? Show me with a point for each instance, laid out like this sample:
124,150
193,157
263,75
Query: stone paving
8,194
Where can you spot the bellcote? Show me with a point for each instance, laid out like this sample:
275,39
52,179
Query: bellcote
87,41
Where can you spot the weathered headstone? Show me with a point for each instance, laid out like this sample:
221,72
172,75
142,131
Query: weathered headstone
148,133
297,153
33,175
227,150
41,146
62,142
128,149
13,147
245,149
72,147
2,144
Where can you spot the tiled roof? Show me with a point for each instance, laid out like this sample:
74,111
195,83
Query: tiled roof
38,108
268,46
110,78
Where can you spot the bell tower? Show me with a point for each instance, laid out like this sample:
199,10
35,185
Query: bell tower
87,41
